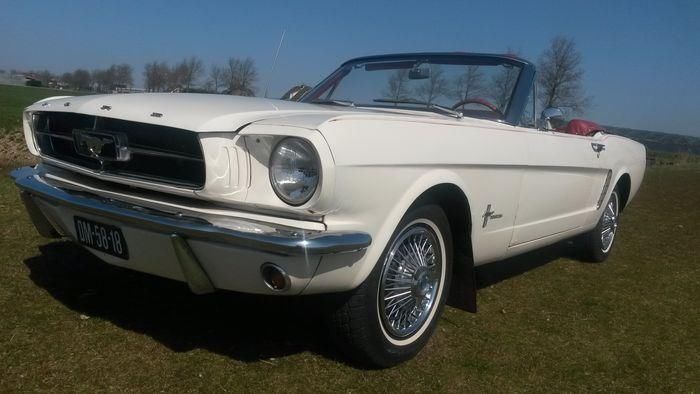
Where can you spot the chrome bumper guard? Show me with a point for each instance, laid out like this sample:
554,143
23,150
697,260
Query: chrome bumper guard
282,240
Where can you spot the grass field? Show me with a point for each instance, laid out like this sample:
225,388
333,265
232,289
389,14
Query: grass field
13,99
547,322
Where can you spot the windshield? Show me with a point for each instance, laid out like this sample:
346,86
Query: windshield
475,86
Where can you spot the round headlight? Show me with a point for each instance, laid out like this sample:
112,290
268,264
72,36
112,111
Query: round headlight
294,170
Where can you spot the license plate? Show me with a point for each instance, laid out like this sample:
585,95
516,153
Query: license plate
103,237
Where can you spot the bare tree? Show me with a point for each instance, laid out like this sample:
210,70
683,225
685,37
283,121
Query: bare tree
216,78
190,69
468,83
176,77
435,86
397,88
103,80
502,84
156,75
106,80
67,79
44,76
81,79
396,85
121,74
241,76
560,76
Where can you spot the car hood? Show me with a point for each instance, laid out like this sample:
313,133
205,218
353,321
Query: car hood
196,112
222,113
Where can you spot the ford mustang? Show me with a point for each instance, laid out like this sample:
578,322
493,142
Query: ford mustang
385,184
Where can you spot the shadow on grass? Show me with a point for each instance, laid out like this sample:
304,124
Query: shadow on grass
244,327
490,274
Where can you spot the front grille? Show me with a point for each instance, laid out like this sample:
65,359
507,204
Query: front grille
156,153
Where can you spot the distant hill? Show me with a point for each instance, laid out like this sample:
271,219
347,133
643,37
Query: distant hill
660,142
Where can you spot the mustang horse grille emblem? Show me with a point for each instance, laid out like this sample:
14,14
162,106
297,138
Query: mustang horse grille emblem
101,146
94,145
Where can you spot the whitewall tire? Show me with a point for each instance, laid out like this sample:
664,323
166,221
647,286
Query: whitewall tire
392,314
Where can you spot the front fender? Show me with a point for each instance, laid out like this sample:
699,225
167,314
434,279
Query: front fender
378,214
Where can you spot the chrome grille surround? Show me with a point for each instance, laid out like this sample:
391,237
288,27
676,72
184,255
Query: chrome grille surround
142,151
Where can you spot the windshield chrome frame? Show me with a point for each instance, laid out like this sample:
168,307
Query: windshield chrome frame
518,99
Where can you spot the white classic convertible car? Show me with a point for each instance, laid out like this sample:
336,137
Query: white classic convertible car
389,181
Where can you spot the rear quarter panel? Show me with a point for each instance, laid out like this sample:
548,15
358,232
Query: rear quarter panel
624,156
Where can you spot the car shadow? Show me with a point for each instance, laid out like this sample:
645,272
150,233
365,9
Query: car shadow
243,327
492,273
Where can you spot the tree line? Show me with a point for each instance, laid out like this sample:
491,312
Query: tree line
100,80
236,76
559,79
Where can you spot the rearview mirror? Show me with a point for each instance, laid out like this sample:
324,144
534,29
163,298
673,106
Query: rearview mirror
419,73
551,118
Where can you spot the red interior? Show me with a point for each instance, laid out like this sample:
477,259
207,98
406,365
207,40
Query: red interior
581,127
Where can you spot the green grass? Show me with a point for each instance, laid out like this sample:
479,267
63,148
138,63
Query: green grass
14,99
668,159
69,322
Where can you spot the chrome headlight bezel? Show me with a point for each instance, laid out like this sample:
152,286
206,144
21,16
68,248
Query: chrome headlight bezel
311,151
29,126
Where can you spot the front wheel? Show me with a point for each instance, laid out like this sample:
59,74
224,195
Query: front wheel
392,314
597,244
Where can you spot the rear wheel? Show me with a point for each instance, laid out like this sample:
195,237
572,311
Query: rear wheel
392,314
597,244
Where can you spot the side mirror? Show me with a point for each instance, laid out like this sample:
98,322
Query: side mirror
296,93
551,117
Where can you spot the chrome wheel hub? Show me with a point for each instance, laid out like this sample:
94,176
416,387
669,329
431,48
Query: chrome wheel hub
609,228
422,283
410,281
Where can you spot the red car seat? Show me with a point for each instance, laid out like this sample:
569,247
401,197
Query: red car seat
581,127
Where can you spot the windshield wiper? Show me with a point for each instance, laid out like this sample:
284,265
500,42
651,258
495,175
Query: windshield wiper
445,110
344,103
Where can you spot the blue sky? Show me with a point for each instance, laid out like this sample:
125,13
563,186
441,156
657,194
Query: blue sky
641,58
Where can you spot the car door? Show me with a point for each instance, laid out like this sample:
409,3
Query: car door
560,185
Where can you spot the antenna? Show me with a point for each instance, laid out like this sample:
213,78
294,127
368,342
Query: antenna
274,62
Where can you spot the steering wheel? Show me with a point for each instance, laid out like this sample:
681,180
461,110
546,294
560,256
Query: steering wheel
479,101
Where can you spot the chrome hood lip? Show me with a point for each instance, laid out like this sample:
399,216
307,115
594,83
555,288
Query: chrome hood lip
189,111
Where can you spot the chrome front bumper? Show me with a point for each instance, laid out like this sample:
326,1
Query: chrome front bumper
207,251
264,237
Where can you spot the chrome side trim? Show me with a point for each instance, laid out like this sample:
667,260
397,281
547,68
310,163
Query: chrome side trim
266,237
605,190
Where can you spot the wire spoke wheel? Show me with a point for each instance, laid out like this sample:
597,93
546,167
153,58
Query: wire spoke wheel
410,281
609,227
393,313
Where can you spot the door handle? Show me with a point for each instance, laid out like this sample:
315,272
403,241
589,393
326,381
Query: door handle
597,148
